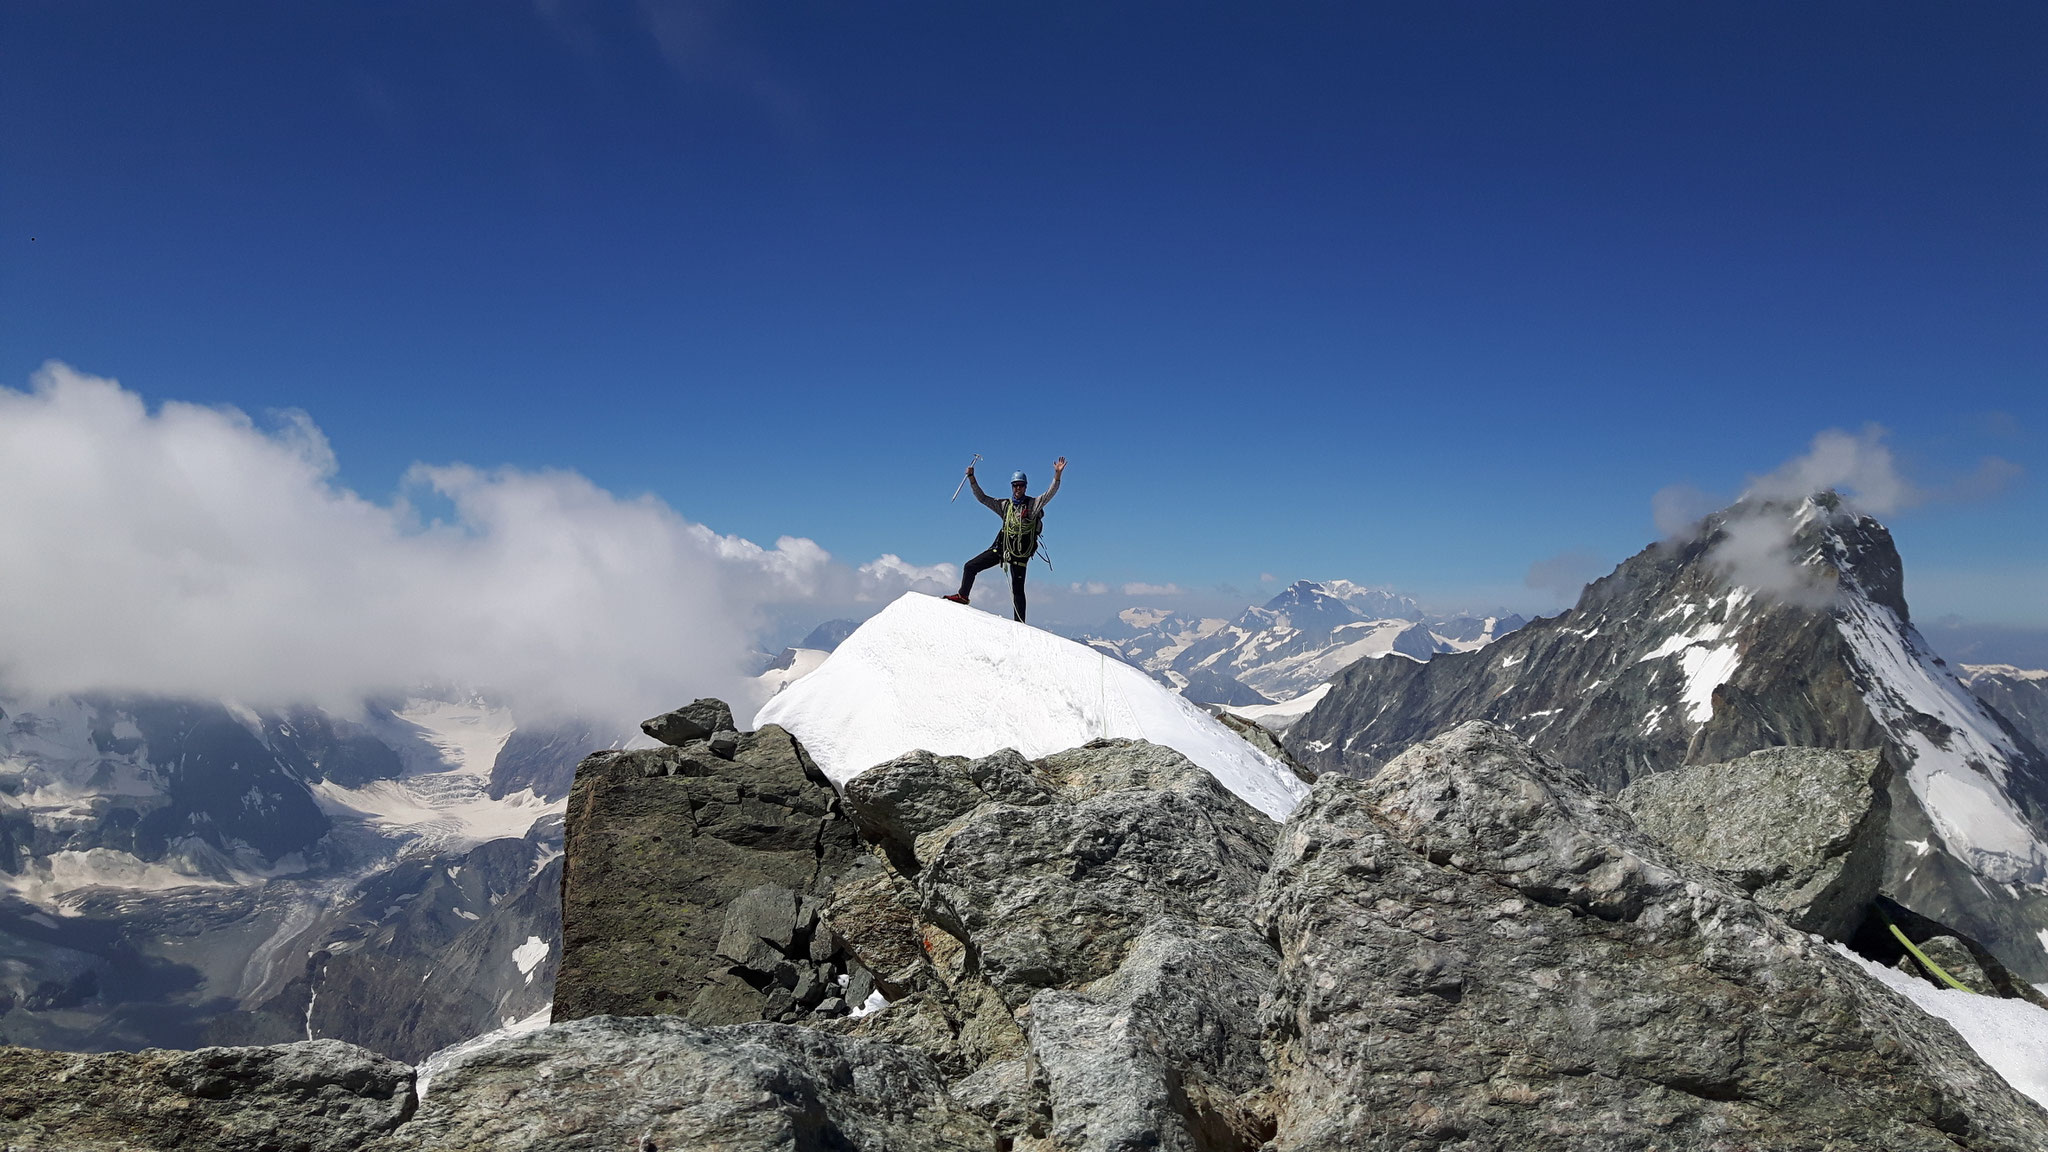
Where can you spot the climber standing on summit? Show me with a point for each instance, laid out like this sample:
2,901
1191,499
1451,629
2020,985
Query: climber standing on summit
1023,517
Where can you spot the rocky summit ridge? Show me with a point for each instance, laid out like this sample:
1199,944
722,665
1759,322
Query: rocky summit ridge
1103,948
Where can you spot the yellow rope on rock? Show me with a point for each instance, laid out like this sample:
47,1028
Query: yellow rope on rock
1917,954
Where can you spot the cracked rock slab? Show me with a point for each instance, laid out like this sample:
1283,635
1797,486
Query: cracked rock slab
1477,951
1800,830
313,1096
653,1084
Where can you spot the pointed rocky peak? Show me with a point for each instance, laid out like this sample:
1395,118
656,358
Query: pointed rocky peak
1302,605
1773,623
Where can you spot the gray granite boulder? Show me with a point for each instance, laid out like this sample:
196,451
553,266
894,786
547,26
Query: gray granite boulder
1052,894
692,885
1479,951
696,721
1074,937
1163,1052
1800,830
652,1084
313,1096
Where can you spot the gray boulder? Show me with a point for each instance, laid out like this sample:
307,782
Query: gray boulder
1258,736
695,721
1162,1053
691,884
1479,951
313,1096
1799,830
896,802
650,1084
1052,895
1074,938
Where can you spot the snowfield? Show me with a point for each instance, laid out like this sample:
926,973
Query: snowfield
954,680
2011,1035
443,803
1960,778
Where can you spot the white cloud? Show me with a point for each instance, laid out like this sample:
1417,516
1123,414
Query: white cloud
190,552
889,574
1091,588
1678,509
1857,465
1756,551
1140,589
1757,547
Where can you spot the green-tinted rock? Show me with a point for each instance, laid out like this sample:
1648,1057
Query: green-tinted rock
659,844
1800,830
313,1096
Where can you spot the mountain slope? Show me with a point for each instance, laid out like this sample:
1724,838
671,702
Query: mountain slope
2020,695
179,872
1672,659
1301,637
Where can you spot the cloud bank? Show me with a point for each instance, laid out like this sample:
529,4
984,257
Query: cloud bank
1756,547
190,552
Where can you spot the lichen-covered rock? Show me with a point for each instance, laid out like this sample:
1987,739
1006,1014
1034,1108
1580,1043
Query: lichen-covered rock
659,846
606,1084
873,915
1162,1053
692,722
1265,741
1478,951
1052,895
1098,902
313,1096
1800,830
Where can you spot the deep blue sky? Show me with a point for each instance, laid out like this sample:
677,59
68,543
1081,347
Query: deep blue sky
1414,294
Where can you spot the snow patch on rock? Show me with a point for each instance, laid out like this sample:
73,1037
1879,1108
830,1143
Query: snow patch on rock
529,955
946,678
2011,1035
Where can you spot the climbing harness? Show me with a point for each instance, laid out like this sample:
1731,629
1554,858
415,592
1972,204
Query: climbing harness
1020,534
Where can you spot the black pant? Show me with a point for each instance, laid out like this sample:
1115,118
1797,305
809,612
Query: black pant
988,560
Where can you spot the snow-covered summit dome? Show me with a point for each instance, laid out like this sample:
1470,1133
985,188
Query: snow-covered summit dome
960,682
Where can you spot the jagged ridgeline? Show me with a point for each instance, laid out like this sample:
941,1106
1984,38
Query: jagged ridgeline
795,938
1106,948
1771,625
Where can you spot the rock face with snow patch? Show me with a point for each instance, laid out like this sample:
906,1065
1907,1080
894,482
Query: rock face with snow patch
1799,830
428,965
316,1096
1671,660
1479,951
176,873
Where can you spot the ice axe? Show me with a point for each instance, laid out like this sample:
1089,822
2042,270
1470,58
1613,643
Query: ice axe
963,478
